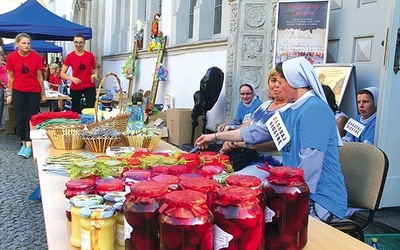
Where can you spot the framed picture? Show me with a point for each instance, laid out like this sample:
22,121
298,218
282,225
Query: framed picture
336,76
302,30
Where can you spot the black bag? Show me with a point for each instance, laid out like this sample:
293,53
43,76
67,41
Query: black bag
242,157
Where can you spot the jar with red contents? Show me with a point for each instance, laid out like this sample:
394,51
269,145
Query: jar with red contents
288,199
252,182
141,212
201,184
239,220
192,161
171,180
105,186
210,170
135,175
74,188
186,221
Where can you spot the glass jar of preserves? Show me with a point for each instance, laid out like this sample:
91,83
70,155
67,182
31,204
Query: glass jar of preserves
185,221
210,171
120,235
105,186
135,175
114,197
239,220
77,203
97,227
191,160
201,184
287,209
141,212
74,188
171,180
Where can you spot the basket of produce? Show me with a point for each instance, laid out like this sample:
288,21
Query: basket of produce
118,122
65,136
141,138
98,139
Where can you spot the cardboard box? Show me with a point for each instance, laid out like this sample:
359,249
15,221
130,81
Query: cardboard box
159,115
179,123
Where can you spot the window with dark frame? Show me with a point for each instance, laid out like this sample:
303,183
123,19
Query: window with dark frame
217,17
192,3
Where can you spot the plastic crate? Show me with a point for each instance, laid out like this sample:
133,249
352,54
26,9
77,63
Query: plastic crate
385,241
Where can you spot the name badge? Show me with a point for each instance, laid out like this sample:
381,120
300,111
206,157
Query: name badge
246,118
278,130
354,127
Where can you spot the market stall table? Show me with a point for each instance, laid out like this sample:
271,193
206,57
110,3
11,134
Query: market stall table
320,235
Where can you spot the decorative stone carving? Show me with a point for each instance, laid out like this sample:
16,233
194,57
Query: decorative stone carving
252,48
251,75
255,16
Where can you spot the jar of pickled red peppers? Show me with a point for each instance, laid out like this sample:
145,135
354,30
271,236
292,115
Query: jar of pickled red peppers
105,186
192,161
74,188
141,212
201,184
77,203
238,219
287,209
97,227
185,221
252,182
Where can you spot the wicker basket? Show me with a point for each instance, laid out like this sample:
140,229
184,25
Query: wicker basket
100,144
141,141
120,121
65,136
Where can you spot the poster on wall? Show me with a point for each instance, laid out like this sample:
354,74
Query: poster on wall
336,76
302,30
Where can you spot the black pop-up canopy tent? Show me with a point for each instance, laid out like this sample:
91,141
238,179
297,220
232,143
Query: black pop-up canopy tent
38,46
41,24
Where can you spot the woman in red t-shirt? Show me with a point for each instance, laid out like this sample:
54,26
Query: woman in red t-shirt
84,74
25,81
54,77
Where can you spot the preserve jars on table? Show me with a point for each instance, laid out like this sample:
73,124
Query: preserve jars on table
77,203
97,227
74,188
141,212
238,218
201,184
186,221
287,209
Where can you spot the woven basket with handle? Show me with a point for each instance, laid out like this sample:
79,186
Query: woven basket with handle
120,121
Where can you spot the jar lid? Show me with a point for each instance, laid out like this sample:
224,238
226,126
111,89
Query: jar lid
86,200
212,169
243,180
137,174
166,178
185,198
118,206
150,189
115,197
109,184
104,210
235,195
80,183
201,184
178,169
189,156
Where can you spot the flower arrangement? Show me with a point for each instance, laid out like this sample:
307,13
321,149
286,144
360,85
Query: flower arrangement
150,110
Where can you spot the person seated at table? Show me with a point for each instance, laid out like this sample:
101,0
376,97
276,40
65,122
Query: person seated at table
249,102
55,82
367,100
340,116
311,141
258,118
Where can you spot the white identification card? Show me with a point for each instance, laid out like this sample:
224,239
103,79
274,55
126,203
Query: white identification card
246,118
278,130
354,127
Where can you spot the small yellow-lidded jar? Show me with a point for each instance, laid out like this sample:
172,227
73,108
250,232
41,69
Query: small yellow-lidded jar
77,203
97,227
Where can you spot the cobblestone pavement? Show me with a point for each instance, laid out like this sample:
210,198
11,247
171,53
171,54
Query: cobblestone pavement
21,220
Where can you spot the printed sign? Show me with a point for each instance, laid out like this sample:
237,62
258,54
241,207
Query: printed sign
278,130
354,127
302,30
